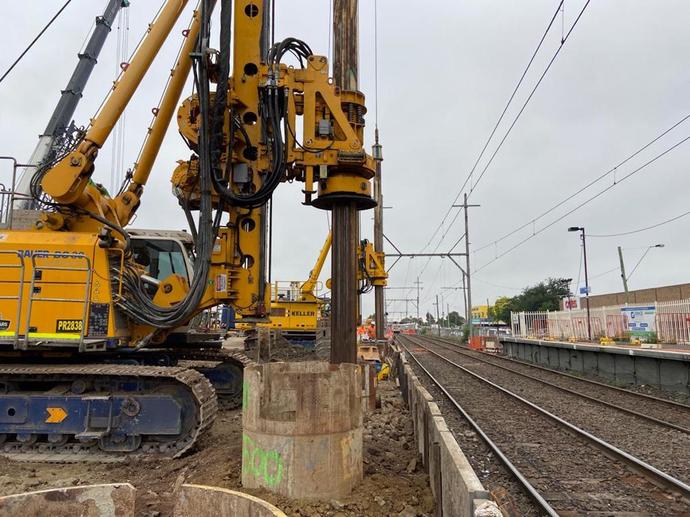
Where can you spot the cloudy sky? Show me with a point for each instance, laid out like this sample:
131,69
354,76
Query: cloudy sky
446,71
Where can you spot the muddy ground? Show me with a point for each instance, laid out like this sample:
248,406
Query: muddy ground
394,481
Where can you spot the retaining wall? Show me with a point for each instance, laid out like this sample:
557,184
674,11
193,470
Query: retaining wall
669,371
454,484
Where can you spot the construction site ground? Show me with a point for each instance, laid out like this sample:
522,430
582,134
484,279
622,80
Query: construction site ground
394,481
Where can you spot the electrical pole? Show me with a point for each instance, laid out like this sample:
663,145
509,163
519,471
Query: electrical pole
584,252
464,299
378,234
467,264
418,283
467,284
625,280
438,325
344,306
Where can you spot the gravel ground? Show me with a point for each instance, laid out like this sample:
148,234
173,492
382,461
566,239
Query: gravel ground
494,476
668,450
571,474
394,484
668,412
654,391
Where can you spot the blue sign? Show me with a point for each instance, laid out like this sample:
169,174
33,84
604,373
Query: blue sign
585,290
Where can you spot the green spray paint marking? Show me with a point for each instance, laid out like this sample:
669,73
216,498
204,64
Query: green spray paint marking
262,464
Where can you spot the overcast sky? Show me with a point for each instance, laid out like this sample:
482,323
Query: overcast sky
446,69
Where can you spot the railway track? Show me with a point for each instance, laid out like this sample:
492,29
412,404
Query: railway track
675,414
660,441
564,469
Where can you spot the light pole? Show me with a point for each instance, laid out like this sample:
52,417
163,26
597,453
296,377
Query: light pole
626,278
584,252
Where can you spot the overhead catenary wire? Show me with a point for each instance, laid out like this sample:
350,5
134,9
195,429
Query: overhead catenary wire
607,272
510,128
587,201
536,86
33,42
657,225
496,125
588,185
639,262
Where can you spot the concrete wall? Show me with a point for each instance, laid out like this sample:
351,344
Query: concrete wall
209,501
655,294
666,370
85,501
454,484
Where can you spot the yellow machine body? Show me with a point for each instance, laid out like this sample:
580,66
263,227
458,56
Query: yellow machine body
55,287
295,306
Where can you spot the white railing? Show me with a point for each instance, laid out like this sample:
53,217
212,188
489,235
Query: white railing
672,321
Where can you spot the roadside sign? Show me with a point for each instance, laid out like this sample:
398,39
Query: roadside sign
641,321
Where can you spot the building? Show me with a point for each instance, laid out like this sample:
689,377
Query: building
480,313
640,296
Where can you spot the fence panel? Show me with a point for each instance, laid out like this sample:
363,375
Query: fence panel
672,323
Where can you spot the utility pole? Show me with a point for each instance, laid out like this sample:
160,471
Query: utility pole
438,325
378,234
344,306
584,252
625,279
468,316
467,284
463,293
418,283
467,264
584,256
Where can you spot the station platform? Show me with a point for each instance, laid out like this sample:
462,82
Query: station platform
666,368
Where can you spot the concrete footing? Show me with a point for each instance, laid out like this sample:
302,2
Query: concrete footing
209,501
456,487
302,429
84,501
118,500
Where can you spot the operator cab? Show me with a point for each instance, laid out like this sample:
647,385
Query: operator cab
162,253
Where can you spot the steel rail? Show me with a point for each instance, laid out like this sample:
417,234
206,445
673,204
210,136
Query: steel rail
532,492
672,403
462,351
656,476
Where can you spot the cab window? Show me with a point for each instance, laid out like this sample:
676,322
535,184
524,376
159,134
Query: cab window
161,258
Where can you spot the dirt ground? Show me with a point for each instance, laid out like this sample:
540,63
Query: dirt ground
394,481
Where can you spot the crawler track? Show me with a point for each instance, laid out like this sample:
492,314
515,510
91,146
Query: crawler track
193,387
566,469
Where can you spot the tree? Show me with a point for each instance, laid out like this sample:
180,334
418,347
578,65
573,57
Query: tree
455,319
545,296
501,309
430,319
418,321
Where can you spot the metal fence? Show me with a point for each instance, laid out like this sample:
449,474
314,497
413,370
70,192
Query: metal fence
672,321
